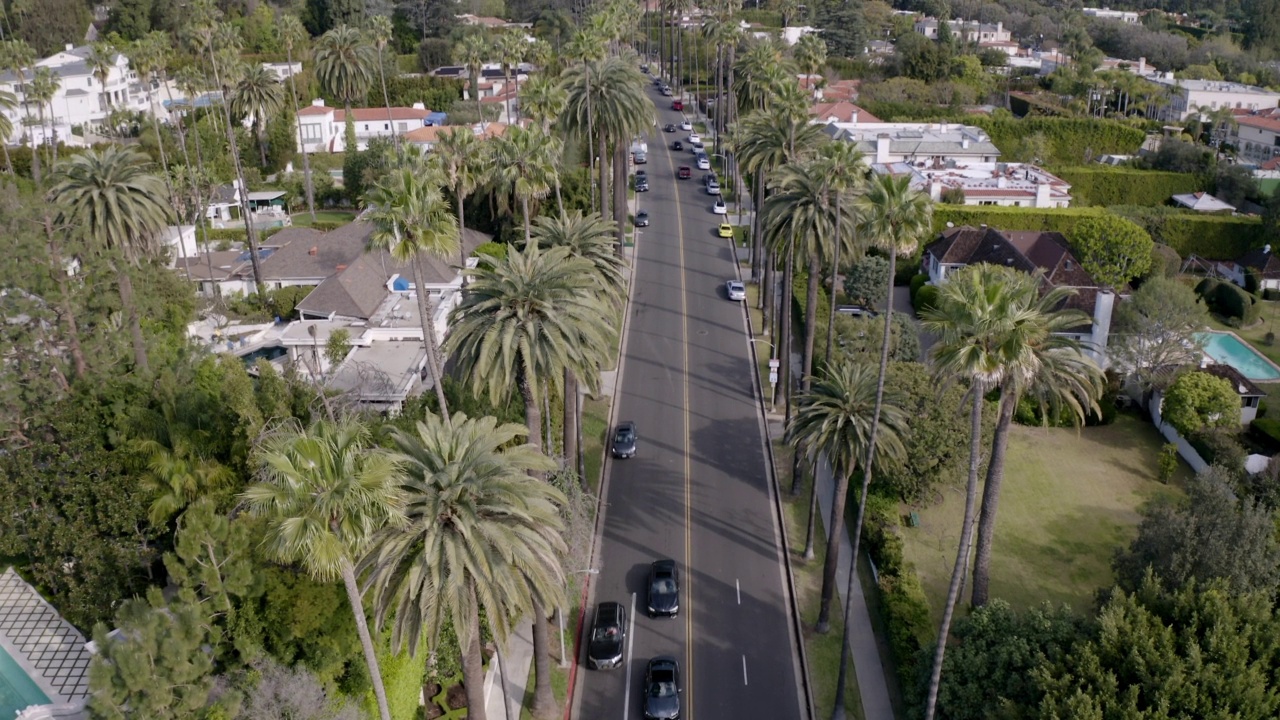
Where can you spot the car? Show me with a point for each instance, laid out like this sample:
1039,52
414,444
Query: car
608,636
735,290
720,208
686,125
640,158
704,162
657,82
644,68
624,436
666,92
695,137
677,105
642,218
726,230
662,689
684,173
677,145
664,589
642,183
669,128
856,311
713,187
697,147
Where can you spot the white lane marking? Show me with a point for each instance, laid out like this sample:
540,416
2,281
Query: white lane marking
738,587
626,668
744,669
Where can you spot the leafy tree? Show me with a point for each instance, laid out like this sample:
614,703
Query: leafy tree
1234,184
345,64
213,557
131,19
1198,400
279,692
867,281
1155,327
1112,249
1182,157
158,666
1213,535
861,339
258,93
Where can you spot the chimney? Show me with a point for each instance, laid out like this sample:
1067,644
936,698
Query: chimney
964,142
882,148
318,102
70,47
1000,26
419,106
935,190
1142,66
1042,195
312,252
1002,182
1102,307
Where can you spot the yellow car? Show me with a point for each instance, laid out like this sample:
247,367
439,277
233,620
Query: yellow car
726,230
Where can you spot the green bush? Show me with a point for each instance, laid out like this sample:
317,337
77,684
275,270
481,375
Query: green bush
1229,301
917,282
1168,462
1219,446
925,299
1072,141
906,612
1098,185
236,234
402,677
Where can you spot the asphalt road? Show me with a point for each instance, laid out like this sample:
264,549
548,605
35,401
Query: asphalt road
697,490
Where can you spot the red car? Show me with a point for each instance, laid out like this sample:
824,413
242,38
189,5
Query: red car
677,105
684,173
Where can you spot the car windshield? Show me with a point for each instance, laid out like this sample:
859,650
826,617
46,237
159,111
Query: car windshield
605,633
663,685
625,436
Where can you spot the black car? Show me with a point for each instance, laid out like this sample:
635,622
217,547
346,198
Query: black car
642,218
662,689
664,589
642,181
677,145
608,636
669,128
624,437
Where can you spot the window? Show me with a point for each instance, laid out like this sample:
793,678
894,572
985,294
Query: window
402,127
386,126
311,132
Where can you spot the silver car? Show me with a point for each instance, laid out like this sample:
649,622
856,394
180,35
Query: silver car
735,290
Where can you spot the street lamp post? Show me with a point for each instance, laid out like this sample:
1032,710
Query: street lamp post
564,661
773,372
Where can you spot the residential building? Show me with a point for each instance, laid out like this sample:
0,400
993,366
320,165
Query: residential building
1261,263
920,144
323,129
1256,135
1191,97
267,207
1251,396
1030,252
427,137
1125,16
1203,202
491,23
970,31
842,111
1003,184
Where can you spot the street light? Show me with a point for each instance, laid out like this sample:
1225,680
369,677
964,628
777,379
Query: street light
773,373
564,661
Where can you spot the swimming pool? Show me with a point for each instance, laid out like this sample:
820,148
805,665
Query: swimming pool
17,690
1228,349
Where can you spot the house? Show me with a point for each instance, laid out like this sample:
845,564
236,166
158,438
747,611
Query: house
1003,184
490,23
919,144
1256,135
1125,16
1203,202
1028,251
970,31
1261,263
323,129
427,137
1251,396
1200,97
841,111
267,207
1250,401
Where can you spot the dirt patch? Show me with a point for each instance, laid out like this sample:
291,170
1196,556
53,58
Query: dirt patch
456,698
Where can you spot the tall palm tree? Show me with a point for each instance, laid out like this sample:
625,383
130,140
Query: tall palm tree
971,317
811,56
472,52
113,197
293,37
847,175
480,535
325,490
511,48
524,164
8,101
413,221
101,61
381,32
587,48
835,421
1044,365
258,93
344,65
526,317
17,56
44,86
464,159
543,100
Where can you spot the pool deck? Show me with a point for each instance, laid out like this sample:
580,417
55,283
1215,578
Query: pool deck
47,647
1252,349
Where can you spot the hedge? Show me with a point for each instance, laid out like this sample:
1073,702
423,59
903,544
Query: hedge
906,608
1098,185
1227,300
237,234
1072,141
1218,237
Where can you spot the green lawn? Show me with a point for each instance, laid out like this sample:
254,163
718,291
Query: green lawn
1070,499
303,219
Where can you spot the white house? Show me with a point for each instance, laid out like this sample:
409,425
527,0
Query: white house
1256,135
323,128
1203,96
920,144
1003,184
1259,262
966,30
1125,16
1203,202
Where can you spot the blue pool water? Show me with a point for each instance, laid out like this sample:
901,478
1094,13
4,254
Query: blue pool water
17,690
1227,349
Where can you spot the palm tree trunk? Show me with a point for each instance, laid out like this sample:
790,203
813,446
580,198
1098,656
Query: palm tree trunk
306,162
784,319
386,100
65,308
366,642
811,320
164,166
757,259
962,552
991,499
473,667
8,161
250,230
570,419
262,141
604,203
524,208
620,192
201,227
532,413
835,278
811,530
135,323
544,702
835,529
434,362
462,230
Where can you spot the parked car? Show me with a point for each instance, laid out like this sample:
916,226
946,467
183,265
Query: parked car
669,128
608,636
662,689
642,218
856,311
735,290
684,173
695,137
720,208
726,230
666,91
697,147
677,145
641,158
704,162
677,105
642,181
713,187
686,125
664,589
624,440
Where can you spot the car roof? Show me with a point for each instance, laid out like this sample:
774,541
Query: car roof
667,565
663,662
628,425
735,283
608,612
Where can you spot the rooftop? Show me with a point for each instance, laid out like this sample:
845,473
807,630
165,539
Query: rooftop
910,139
1214,86
989,180
383,372
48,648
1203,202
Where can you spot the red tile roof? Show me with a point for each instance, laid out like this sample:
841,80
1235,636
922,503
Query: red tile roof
365,114
842,110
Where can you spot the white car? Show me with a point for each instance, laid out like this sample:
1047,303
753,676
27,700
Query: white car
686,125
695,137
713,187
720,208
697,147
704,162
735,290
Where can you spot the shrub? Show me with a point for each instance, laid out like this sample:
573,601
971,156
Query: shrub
906,612
917,282
1267,430
925,299
1271,294
1219,446
1168,462
1226,299
1072,141
1100,186
1165,261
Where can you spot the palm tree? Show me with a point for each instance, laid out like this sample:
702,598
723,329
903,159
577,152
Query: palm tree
524,164
472,52
543,100
44,86
1044,365
293,36
381,31
112,196
344,65
511,48
527,317
325,490
413,221
101,61
847,174
16,56
587,48
971,317
258,93
835,421
480,535
463,159
811,56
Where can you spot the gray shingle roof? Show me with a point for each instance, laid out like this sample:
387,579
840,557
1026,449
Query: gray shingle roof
333,251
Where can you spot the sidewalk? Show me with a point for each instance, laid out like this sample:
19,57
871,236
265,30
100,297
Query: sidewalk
519,657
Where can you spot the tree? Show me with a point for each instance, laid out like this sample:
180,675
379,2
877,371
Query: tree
413,222
159,665
325,490
1212,535
1198,400
213,557
525,164
868,281
1155,328
260,95
345,65
1234,184
473,51
481,536
1112,249
293,36
120,206
464,161
833,422
935,450
291,693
